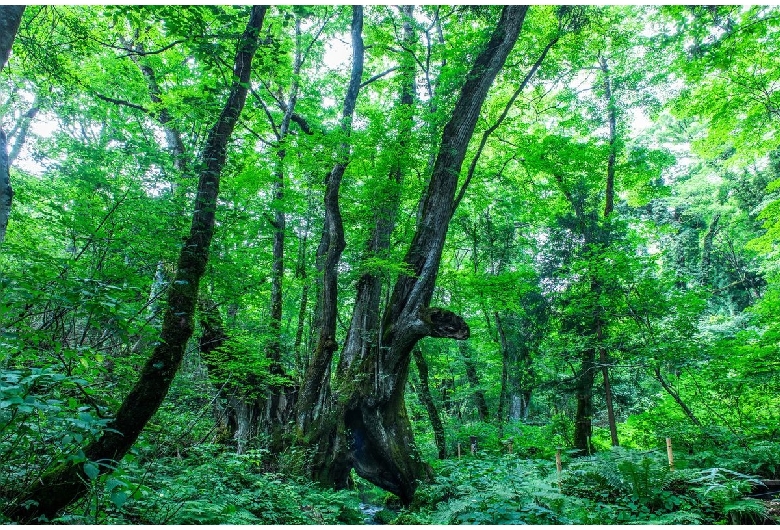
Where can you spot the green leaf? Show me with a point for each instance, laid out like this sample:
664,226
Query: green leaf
91,470
118,498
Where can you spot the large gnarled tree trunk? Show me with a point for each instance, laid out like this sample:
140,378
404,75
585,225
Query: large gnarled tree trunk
368,429
62,486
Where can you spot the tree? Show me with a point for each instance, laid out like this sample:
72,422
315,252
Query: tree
60,487
366,427
10,18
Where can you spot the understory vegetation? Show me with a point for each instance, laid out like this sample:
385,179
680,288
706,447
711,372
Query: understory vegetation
389,264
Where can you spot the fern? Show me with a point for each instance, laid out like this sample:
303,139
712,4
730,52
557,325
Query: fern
745,511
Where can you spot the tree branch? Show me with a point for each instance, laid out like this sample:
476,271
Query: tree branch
378,76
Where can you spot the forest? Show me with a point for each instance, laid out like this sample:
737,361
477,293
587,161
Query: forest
389,264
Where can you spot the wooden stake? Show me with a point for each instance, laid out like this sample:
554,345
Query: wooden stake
559,467
511,441
670,454
458,449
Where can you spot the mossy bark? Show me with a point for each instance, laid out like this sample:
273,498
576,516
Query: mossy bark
60,487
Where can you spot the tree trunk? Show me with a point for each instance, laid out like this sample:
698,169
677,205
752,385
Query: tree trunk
300,273
430,406
6,191
381,445
20,131
584,388
473,379
517,354
583,422
604,361
10,18
609,205
163,116
706,251
239,420
318,421
67,483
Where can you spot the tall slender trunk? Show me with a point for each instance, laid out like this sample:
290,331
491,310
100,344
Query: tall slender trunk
300,273
280,400
10,18
706,251
64,484
604,362
6,190
430,406
471,374
583,422
609,205
316,418
584,387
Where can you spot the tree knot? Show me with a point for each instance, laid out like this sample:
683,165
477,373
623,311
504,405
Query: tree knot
442,323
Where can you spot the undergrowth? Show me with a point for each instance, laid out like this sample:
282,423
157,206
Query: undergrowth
210,486
613,487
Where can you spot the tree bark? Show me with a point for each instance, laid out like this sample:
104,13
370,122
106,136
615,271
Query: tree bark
609,203
430,406
281,395
604,362
63,485
6,191
10,18
584,388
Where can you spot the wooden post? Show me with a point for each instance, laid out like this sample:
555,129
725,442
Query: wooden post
458,449
511,442
670,454
559,467
473,441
